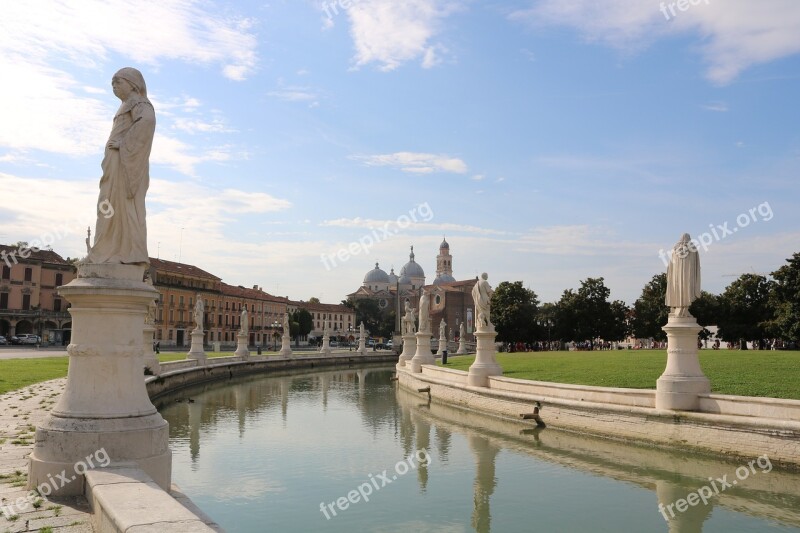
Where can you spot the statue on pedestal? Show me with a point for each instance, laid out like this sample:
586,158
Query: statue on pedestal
442,332
121,233
245,326
482,296
199,312
409,320
462,332
683,277
424,311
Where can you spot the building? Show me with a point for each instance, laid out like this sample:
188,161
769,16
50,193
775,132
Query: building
451,300
29,301
342,320
179,285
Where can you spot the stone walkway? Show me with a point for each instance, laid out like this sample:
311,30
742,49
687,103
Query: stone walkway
20,412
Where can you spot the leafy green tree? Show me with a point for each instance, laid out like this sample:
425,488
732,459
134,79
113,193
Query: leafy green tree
786,300
301,322
514,311
620,325
313,300
745,311
368,311
587,315
649,311
706,309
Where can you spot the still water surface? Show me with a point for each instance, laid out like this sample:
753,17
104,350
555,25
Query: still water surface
264,453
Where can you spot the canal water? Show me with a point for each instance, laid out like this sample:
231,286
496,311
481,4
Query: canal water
350,451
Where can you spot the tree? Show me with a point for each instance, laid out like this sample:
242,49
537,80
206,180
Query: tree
514,312
300,323
368,311
649,311
706,309
313,300
587,315
786,300
745,311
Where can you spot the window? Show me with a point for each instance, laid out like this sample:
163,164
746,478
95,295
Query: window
26,302
28,274
219,321
57,305
6,272
59,280
180,302
171,315
3,300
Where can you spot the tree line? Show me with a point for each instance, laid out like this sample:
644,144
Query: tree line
752,308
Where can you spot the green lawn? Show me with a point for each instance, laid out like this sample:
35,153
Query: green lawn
18,373
774,374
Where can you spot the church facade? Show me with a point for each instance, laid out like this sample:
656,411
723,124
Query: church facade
450,300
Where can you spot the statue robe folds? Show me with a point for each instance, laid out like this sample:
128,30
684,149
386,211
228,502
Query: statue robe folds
683,276
121,233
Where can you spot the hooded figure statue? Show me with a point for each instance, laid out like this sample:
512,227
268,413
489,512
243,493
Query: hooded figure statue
683,277
121,234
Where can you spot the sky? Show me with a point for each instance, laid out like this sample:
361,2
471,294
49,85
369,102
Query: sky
300,142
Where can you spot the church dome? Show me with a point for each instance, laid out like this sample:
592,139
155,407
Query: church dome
392,277
376,275
444,244
412,269
443,278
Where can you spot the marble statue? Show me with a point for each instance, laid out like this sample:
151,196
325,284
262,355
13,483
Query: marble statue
199,311
286,327
245,323
121,233
482,296
424,311
409,320
442,333
462,331
361,331
683,277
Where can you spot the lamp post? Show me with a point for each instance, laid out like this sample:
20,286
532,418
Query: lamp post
548,323
275,325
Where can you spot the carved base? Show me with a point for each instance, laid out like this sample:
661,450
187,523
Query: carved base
105,404
241,346
423,354
286,347
485,364
409,349
462,347
197,351
683,379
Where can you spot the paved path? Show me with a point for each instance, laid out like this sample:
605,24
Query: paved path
20,411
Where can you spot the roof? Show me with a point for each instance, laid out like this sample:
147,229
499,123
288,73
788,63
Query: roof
327,308
238,291
454,285
181,268
45,256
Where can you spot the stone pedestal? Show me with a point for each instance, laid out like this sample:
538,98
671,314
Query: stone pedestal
150,358
326,346
423,354
241,346
362,346
197,351
485,364
105,404
409,349
462,346
442,346
286,346
683,379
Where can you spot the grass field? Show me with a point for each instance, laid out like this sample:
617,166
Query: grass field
18,373
749,373
773,374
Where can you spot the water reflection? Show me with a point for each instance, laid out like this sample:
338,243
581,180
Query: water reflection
235,443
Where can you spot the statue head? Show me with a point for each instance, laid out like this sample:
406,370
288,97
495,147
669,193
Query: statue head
484,276
135,78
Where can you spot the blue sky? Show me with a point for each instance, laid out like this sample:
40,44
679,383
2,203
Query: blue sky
549,140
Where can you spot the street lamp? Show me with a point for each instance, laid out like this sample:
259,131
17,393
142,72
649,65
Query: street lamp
275,325
548,323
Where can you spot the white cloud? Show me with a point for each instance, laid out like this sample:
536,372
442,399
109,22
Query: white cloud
145,32
735,34
294,94
719,107
418,163
390,33
192,126
478,177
